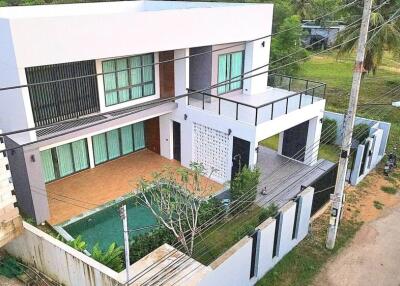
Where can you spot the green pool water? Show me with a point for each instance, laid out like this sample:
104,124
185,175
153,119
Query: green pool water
105,226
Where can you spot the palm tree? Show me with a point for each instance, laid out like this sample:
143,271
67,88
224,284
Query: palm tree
384,34
302,8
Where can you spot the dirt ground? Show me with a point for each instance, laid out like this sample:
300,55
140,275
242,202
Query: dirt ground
372,258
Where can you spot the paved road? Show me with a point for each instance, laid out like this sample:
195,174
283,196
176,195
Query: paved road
373,258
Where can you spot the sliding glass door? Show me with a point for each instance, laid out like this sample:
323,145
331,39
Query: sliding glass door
118,142
64,160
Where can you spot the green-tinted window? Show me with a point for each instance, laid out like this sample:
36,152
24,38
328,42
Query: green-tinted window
128,78
80,153
113,144
64,160
138,134
118,142
127,139
47,165
99,148
230,69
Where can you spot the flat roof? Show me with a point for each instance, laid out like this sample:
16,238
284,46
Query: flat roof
106,8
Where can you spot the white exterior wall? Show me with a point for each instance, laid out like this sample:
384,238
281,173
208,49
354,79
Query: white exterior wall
10,220
60,261
75,30
233,270
378,138
267,231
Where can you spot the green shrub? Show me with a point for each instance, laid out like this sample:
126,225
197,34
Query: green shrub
78,243
389,190
268,212
329,128
247,229
361,132
113,257
209,209
143,244
244,188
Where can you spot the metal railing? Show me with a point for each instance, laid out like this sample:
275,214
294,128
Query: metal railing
306,92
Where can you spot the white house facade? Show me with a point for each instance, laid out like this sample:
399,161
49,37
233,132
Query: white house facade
118,68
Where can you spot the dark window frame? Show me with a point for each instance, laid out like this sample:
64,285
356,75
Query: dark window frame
62,99
130,85
229,79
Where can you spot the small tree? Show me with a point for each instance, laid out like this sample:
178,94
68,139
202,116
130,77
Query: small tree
244,187
176,202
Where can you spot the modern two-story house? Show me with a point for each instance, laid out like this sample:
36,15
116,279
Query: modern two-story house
104,84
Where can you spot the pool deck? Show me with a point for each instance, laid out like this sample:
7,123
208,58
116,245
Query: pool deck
88,190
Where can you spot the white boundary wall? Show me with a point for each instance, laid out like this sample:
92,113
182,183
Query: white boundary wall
71,267
58,260
378,139
233,267
10,220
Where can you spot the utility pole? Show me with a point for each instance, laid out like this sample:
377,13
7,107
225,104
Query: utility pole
122,214
337,197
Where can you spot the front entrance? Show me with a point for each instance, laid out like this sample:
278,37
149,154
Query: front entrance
177,140
240,155
295,141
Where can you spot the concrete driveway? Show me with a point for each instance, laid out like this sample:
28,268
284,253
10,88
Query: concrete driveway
373,257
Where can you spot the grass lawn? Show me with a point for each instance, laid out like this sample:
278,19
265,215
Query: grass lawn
337,74
271,142
226,234
303,263
329,152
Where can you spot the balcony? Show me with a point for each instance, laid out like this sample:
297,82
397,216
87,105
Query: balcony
284,95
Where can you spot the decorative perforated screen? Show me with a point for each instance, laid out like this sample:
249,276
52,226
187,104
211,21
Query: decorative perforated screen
211,147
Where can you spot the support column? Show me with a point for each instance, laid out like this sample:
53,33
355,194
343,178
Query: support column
166,138
181,70
313,138
256,56
90,151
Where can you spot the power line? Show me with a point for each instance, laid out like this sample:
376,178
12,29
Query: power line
159,102
180,58
139,277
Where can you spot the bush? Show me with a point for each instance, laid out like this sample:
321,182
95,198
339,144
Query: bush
143,244
268,212
208,210
247,229
361,132
113,257
329,128
244,188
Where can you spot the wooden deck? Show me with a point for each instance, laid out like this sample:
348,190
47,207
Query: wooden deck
81,192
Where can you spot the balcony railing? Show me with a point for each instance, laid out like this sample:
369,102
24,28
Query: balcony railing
292,94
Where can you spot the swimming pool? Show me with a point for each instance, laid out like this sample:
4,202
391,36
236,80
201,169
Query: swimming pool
104,225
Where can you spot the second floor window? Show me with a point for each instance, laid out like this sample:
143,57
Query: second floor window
128,78
230,69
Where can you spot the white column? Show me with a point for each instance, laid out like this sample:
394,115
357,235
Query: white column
166,137
90,151
280,143
181,70
256,56
313,138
